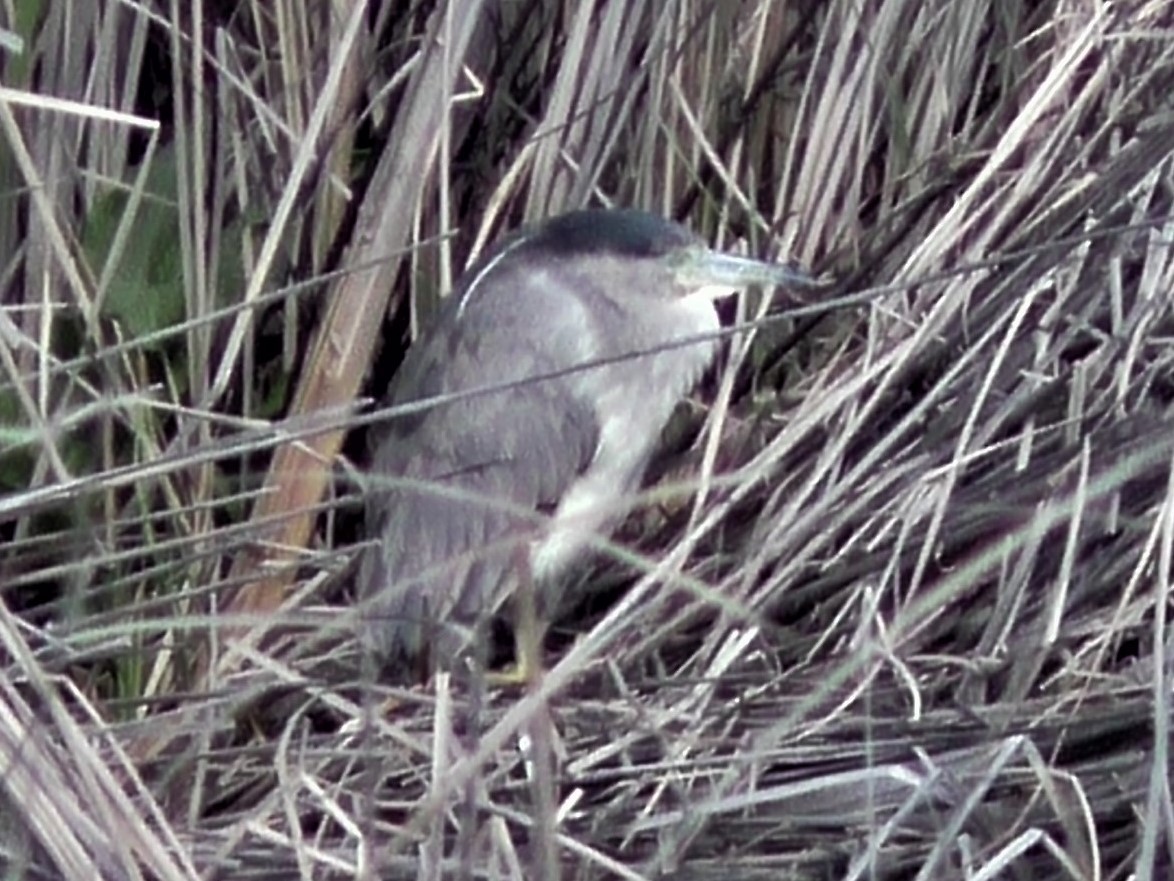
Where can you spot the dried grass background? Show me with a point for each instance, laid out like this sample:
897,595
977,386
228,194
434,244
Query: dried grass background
903,610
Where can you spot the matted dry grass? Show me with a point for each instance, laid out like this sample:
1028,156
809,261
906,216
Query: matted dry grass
899,612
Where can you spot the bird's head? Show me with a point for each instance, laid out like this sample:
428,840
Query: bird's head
642,245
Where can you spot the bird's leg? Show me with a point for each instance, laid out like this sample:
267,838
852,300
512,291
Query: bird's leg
529,628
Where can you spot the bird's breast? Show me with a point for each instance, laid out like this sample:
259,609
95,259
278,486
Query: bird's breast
633,399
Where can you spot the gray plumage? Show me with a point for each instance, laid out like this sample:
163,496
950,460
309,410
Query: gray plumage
466,496
455,489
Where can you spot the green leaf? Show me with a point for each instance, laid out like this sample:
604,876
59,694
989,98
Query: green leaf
146,289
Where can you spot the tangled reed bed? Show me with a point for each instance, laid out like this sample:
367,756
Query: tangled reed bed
899,611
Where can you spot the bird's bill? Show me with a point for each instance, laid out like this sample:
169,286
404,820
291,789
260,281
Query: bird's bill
723,274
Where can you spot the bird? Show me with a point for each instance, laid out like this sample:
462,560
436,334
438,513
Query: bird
554,366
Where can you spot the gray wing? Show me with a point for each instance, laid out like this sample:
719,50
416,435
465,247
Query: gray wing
456,489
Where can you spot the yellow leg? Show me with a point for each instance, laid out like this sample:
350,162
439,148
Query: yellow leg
529,631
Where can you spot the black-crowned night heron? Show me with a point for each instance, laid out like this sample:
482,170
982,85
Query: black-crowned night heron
472,497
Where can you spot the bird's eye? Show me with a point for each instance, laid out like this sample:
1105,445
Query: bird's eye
683,257
683,262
